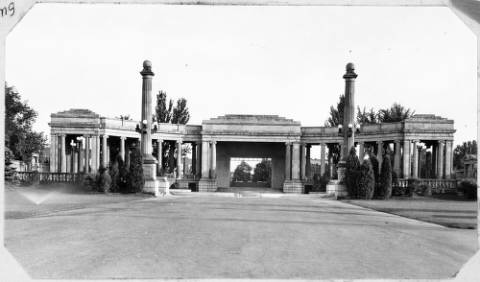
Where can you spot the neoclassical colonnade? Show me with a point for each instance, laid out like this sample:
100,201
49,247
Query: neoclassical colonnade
80,137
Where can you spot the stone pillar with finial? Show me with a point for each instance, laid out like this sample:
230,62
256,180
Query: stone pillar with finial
337,187
152,185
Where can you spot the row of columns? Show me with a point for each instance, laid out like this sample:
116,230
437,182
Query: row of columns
297,161
406,162
88,154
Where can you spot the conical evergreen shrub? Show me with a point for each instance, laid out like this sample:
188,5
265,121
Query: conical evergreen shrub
366,182
352,173
135,176
386,178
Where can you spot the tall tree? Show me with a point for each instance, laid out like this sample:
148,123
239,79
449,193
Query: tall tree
466,148
336,113
19,135
395,113
335,119
242,172
366,117
180,113
163,112
262,171
169,114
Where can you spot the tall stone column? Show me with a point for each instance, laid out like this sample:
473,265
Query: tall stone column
53,155
87,153
303,162
396,160
415,159
198,163
380,155
104,151
288,161
81,155
95,152
308,163
179,159
214,160
194,158
361,151
406,159
296,161
152,185
122,147
322,159
448,159
159,156
75,161
440,163
349,110
63,155
205,164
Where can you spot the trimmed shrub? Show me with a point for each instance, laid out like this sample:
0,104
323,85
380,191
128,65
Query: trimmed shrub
469,188
413,186
324,179
386,178
352,173
116,174
366,182
89,182
104,181
423,190
135,175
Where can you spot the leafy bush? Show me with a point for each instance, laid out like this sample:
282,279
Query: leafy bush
135,175
324,179
89,182
8,170
366,182
386,178
103,180
118,173
469,188
423,190
352,173
399,190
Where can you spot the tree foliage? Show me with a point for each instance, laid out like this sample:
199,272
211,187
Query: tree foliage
242,172
135,176
460,151
366,117
178,114
262,171
366,181
336,113
352,173
162,111
395,113
19,135
386,177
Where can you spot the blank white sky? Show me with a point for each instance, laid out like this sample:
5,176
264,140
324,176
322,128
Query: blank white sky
287,61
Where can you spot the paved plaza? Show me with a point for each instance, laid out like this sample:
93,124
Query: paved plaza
218,235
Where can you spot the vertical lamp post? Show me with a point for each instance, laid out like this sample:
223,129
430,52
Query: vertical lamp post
152,184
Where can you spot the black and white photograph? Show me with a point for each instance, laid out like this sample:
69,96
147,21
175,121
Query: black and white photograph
280,140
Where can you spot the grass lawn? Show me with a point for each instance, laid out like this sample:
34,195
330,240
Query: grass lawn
446,210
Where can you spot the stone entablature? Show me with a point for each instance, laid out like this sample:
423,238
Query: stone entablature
254,127
251,127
